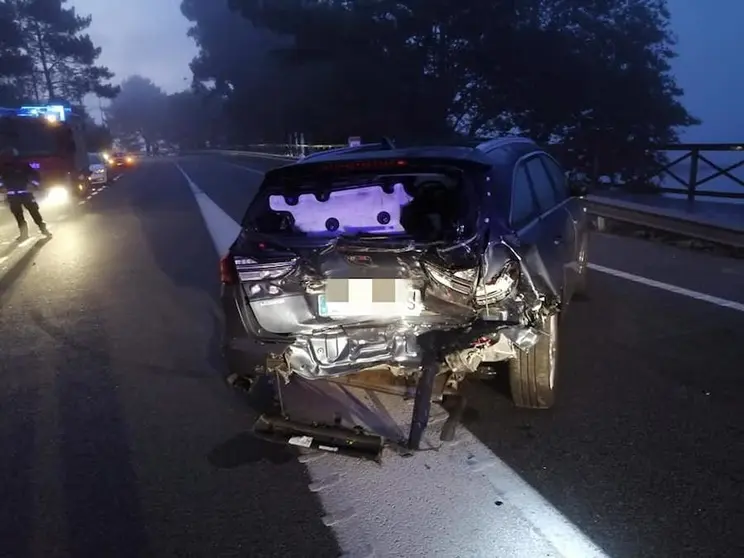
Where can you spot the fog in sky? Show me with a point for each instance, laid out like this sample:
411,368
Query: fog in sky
148,37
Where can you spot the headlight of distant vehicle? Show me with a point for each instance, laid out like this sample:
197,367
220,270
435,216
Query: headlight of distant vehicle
130,160
55,196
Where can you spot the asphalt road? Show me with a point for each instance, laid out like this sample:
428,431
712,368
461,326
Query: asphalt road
118,436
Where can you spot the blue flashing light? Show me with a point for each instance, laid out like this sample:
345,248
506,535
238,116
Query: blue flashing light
53,113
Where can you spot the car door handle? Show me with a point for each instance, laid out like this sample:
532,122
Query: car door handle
558,240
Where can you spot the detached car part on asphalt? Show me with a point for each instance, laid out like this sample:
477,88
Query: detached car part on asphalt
421,266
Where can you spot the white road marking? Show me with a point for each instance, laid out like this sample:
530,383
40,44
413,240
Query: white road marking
15,251
722,302
223,229
248,169
459,499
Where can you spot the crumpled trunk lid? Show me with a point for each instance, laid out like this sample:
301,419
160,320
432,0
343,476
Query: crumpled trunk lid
344,283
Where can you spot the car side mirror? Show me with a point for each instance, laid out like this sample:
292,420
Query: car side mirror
578,188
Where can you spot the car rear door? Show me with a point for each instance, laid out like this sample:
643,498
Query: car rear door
541,222
577,236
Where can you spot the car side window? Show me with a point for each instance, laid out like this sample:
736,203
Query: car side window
523,205
543,185
558,176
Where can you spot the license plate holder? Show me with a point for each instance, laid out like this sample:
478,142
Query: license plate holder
369,297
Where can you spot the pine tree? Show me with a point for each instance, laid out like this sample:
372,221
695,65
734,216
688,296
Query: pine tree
63,55
15,66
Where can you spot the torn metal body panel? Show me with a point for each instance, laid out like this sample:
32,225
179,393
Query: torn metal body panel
347,309
410,265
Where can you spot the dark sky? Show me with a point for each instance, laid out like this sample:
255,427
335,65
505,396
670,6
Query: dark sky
148,37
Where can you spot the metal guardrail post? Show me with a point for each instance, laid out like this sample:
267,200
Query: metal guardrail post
595,172
692,183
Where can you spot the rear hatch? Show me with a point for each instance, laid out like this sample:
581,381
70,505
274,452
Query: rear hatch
423,199
354,240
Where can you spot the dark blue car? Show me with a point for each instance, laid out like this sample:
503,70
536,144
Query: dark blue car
442,262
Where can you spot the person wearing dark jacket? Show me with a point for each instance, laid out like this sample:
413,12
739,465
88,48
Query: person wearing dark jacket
17,178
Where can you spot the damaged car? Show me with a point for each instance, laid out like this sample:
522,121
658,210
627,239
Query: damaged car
417,267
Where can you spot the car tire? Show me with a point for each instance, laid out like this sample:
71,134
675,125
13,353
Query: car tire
532,375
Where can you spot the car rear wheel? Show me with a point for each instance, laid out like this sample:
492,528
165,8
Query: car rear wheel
532,375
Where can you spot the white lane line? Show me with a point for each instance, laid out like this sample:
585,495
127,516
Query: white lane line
722,302
222,228
248,169
17,249
459,500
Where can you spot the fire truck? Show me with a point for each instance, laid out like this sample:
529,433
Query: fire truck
51,139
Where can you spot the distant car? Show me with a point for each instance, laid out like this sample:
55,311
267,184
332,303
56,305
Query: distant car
349,261
97,167
122,160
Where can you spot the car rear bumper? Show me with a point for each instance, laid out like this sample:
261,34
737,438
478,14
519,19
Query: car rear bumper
333,351
244,343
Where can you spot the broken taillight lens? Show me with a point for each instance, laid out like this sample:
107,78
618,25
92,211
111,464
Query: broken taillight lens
228,275
500,286
249,269
461,281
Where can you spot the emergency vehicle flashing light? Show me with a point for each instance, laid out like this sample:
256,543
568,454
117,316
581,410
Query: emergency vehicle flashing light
53,113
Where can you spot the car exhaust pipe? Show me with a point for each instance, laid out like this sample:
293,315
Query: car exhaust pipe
331,439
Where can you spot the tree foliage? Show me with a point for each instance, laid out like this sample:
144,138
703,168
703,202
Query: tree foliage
235,63
45,54
14,63
590,72
193,118
144,111
138,110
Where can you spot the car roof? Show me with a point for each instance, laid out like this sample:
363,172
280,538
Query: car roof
503,155
498,151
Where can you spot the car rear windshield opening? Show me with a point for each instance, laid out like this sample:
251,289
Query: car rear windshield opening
425,207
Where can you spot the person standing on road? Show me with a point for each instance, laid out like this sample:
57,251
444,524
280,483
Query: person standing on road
17,177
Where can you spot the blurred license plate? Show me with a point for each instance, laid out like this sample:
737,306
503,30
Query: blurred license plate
369,297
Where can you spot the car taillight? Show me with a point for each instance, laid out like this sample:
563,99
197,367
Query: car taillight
462,281
500,286
228,275
249,269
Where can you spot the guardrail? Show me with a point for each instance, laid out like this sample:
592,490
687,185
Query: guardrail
669,221
693,155
686,224
273,150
